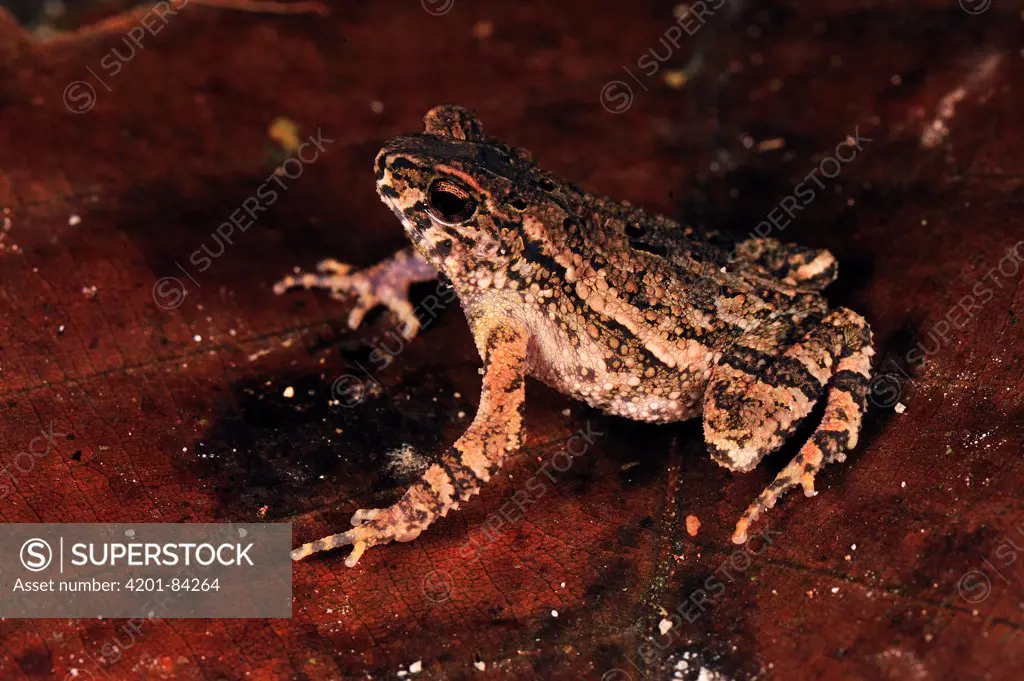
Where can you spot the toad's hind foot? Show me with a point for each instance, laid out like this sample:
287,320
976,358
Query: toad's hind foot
839,428
386,283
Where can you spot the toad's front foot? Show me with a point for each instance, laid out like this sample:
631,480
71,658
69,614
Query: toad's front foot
372,527
386,283
431,497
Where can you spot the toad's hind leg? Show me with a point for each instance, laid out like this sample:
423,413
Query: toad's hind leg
847,338
496,431
762,386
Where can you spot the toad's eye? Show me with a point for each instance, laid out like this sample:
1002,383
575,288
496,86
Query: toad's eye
450,204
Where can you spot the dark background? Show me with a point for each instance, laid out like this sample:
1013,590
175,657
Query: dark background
905,566
63,15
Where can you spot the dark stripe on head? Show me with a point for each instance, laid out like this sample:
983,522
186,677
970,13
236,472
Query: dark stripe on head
402,163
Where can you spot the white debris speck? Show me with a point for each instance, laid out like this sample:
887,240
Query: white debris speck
74,220
416,667
899,408
835,589
664,626
554,613
289,392
481,666
566,412
197,338
562,585
853,547
259,353
903,484
709,675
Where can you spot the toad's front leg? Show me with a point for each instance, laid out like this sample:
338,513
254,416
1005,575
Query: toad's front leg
386,283
496,431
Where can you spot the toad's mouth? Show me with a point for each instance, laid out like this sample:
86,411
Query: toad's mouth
413,230
396,210
392,203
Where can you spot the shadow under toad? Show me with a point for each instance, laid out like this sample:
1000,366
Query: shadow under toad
271,456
